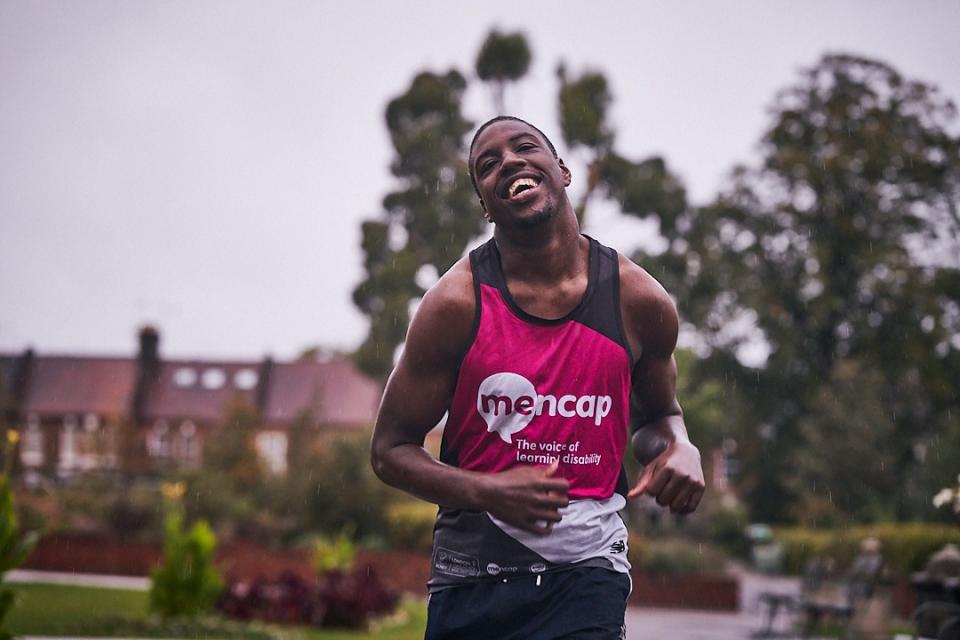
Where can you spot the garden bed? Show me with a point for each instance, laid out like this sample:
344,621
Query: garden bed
400,571
89,553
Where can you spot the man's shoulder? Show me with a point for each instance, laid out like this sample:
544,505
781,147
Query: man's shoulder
640,289
648,310
453,293
445,316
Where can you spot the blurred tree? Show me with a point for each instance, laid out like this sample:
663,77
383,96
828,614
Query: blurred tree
850,476
842,244
345,493
426,224
503,58
583,104
230,450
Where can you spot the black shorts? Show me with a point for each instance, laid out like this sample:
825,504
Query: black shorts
586,603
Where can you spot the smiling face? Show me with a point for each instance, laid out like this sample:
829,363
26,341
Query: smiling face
520,182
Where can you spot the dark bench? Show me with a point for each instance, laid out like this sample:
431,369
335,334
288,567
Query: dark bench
822,597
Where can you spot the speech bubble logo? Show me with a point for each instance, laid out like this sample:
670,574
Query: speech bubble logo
507,402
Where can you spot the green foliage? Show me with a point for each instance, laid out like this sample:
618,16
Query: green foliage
344,492
187,583
728,531
843,238
333,554
14,547
503,58
410,525
846,422
583,104
426,223
675,557
230,450
644,188
905,547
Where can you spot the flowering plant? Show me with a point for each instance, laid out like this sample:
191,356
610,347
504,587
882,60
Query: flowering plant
949,496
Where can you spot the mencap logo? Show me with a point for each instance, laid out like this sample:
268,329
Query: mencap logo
508,402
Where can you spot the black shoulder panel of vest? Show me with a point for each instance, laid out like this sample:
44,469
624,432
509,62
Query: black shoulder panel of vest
485,263
601,311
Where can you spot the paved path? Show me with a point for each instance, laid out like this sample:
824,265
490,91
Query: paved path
81,579
675,624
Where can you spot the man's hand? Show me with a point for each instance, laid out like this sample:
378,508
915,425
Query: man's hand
529,498
674,478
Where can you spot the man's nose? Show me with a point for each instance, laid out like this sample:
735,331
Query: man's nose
512,161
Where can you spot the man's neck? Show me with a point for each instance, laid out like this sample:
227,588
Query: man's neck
550,252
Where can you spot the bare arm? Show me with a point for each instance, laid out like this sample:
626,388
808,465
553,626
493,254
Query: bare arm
418,393
672,471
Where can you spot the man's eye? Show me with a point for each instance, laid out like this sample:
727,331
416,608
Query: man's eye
486,166
526,146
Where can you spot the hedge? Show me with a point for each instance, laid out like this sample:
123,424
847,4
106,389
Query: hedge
906,546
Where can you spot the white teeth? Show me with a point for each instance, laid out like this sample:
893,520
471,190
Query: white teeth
521,182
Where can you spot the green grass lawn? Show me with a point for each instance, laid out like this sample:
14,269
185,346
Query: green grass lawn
44,609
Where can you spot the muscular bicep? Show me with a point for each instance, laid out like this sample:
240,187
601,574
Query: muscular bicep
654,393
415,398
652,325
419,390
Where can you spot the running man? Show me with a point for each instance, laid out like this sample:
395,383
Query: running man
546,349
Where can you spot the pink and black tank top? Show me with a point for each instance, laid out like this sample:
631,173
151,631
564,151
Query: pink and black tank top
532,391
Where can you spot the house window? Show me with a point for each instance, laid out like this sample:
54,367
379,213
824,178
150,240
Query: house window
245,379
68,444
186,444
108,446
272,449
213,378
184,377
31,447
85,442
158,440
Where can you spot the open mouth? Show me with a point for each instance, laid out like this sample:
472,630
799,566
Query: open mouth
521,186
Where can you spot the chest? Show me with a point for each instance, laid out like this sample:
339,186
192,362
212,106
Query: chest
551,301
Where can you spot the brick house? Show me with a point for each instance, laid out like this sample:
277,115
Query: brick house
142,414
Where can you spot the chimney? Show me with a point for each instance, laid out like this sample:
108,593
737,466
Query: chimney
148,369
20,385
263,384
149,346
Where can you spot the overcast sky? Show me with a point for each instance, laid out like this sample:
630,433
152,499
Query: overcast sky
204,166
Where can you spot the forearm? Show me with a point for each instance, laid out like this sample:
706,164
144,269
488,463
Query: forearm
411,468
652,438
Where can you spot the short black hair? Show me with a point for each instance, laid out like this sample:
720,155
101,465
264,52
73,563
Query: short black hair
491,121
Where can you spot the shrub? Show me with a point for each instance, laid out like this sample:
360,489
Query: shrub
410,525
339,599
344,491
14,548
675,557
906,546
727,529
187,582
133,512
333,554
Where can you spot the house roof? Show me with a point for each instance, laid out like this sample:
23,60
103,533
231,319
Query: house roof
201,390
60,385
335,392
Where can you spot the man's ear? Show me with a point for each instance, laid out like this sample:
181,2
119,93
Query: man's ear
567,176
